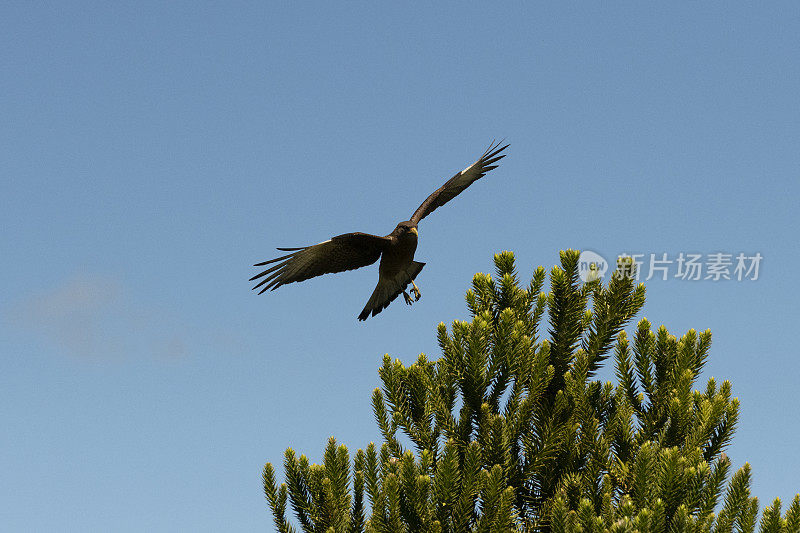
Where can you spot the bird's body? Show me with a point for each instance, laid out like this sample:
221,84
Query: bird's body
398,257
397,268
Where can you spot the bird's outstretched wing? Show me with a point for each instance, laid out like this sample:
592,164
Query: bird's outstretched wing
344,252
460,181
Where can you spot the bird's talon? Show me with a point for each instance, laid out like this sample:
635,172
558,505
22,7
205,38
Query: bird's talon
415,291
408,299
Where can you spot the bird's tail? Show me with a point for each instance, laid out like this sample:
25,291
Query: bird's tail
388,289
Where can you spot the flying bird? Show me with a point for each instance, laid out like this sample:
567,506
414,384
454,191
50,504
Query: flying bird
397,268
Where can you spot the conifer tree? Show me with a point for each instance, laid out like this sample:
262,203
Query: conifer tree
510,431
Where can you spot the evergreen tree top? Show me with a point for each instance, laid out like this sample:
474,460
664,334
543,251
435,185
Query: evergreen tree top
509,430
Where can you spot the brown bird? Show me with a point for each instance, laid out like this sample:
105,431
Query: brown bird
397,268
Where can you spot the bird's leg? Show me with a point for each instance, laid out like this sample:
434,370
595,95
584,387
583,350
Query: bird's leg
408,299
415,291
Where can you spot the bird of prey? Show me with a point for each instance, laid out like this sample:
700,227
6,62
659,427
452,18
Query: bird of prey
397,268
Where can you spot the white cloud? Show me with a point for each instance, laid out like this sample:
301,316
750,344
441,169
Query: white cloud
90,316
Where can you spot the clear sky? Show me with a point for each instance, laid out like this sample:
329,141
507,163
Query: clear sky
151,152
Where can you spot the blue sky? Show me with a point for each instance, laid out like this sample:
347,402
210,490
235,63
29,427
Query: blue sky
151,154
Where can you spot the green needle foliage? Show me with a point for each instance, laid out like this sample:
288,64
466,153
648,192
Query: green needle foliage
509,430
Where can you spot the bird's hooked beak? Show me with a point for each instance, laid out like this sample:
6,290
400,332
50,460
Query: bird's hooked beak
414,231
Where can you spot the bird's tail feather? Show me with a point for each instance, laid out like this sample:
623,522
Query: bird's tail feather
387,290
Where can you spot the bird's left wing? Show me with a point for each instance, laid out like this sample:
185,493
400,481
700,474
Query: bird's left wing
460,181
344,252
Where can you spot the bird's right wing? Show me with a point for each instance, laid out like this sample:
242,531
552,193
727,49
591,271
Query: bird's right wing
455,185
344,252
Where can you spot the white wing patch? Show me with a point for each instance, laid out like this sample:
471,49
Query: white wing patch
466,176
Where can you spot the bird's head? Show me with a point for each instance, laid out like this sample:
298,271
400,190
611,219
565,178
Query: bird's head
405,228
